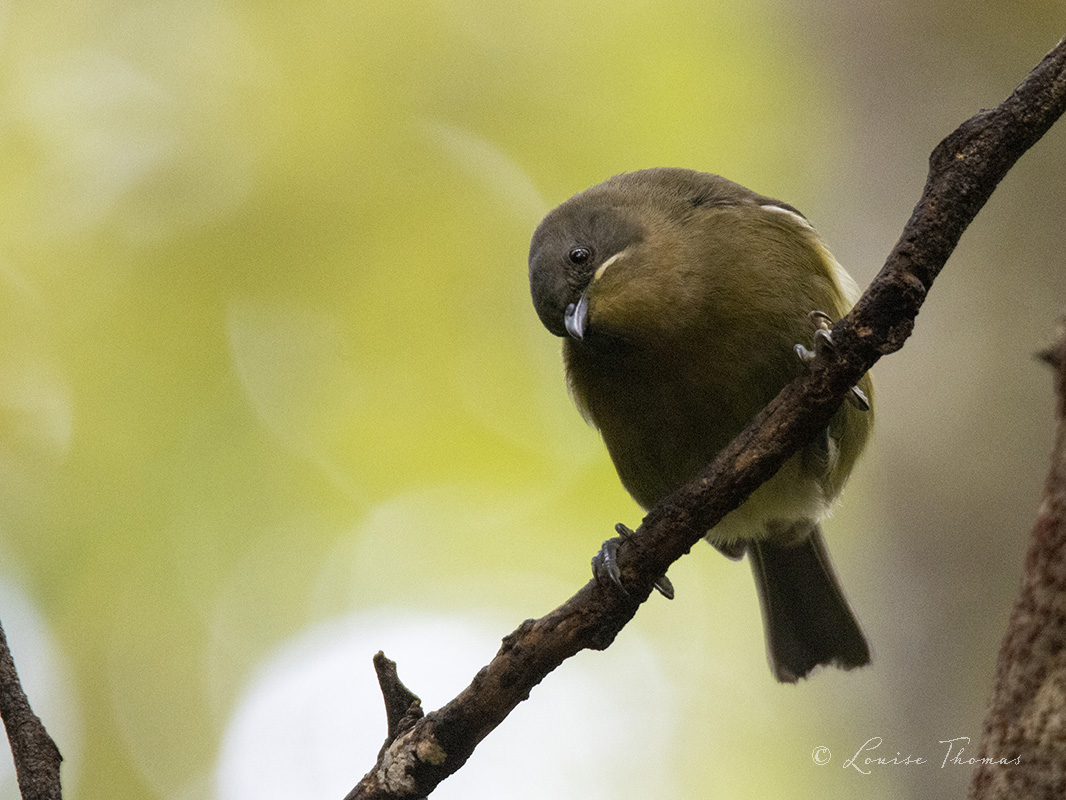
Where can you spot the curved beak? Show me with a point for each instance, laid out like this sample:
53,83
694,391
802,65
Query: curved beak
576,316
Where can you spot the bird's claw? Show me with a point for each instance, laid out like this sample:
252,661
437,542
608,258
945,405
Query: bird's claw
857,397
606,570
605,565
823,341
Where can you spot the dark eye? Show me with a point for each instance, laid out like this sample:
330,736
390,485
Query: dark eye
579,255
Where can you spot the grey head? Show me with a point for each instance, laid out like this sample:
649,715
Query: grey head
582,234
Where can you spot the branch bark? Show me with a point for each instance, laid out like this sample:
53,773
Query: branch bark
1024,740
964,169
36,756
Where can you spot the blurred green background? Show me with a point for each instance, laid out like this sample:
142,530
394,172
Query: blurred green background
271,385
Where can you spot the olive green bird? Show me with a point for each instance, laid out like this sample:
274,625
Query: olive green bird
682,299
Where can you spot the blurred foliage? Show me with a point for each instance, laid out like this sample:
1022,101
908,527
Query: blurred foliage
267,355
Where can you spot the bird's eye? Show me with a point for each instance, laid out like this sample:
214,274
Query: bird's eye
579,255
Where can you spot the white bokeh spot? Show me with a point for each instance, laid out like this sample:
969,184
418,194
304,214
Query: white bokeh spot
312,720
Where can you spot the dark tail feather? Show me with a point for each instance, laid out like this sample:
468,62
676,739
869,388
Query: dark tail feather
808,621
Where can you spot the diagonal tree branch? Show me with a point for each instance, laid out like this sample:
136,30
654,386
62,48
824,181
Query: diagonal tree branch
36,755
964,170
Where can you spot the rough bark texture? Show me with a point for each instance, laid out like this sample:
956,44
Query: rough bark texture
964,170
36,755
1024,737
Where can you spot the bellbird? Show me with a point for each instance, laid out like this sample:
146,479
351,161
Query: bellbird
681,298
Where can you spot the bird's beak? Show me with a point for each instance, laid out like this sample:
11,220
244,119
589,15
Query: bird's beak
576,315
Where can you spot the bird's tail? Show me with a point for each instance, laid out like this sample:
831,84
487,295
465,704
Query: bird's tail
807,620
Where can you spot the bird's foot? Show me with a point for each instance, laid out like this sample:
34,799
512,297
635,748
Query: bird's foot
605,565
823,341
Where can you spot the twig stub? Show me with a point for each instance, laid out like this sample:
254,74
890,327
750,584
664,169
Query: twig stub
403,708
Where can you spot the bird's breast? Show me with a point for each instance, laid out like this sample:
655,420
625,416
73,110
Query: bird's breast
662,417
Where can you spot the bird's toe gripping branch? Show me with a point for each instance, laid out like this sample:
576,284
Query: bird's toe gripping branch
823,341
606,570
